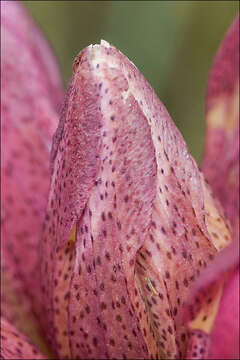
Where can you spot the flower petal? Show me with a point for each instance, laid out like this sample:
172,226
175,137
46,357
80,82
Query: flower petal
31,91
221,167
26,31
129,217
226,312
226,326
221,161
222,150
14,345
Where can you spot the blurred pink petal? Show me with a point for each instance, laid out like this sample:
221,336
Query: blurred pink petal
15,345
225,335
25,30
130,222
221,167
221,161
30,90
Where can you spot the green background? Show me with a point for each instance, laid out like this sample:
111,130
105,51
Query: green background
173,44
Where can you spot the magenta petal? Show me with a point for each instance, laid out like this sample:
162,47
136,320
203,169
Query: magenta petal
224,75
221,167
225,335
16,19
221,161
77,174
30,91
130,222
15,345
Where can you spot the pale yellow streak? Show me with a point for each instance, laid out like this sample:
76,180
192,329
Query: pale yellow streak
225,112
72,236
210,312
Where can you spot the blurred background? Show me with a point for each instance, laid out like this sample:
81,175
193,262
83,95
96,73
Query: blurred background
173,44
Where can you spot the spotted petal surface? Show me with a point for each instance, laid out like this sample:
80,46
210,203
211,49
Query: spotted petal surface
130,222
30,94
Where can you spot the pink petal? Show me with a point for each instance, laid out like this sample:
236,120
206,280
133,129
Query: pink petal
130,221
221,167
16,19
225,335
31,91
14,345
221,161
222,150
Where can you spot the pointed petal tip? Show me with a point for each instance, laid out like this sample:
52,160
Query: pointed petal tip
105,43
122,174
